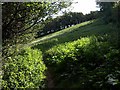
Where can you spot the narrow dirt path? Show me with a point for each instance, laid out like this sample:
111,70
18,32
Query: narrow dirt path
50,81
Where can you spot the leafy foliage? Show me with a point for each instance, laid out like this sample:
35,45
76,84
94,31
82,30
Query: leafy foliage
88,62
24,70
19,22
20,19
110,11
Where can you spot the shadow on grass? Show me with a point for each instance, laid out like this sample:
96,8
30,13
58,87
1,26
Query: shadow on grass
93,28
59,39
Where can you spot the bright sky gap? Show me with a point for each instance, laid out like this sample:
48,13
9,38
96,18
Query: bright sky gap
84,6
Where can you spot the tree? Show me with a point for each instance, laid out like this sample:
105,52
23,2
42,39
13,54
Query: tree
19,19
116,12
106,9
22,20
111,13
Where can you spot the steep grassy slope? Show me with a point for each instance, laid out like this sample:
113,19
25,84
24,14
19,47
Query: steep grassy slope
94,27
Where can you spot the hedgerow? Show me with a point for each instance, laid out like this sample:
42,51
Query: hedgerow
88,62
24,70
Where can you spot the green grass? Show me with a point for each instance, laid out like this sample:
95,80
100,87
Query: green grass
85,29
93,27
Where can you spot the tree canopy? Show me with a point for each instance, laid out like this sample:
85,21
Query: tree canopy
20,17
110,11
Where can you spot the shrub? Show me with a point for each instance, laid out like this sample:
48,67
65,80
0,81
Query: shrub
25,70
86,62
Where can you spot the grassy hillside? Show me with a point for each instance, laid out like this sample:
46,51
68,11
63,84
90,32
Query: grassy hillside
83,56
93,27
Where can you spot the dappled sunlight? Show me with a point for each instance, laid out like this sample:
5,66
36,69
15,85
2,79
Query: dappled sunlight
86,57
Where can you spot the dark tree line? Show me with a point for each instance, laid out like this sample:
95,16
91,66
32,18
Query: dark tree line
65,21
109,12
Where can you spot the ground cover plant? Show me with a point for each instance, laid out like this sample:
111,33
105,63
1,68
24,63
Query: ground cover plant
88,62
24,70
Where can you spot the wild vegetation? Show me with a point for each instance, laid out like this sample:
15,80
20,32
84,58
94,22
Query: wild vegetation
82,51
24,67
24,70
83,56
87,62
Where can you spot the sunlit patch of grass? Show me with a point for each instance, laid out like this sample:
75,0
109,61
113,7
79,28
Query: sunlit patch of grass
62,32
94,27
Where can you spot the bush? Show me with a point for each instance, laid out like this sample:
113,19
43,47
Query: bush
25,70
84,63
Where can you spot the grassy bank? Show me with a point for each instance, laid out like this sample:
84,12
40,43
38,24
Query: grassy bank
94,27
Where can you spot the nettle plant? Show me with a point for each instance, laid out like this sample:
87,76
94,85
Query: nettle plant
25,70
